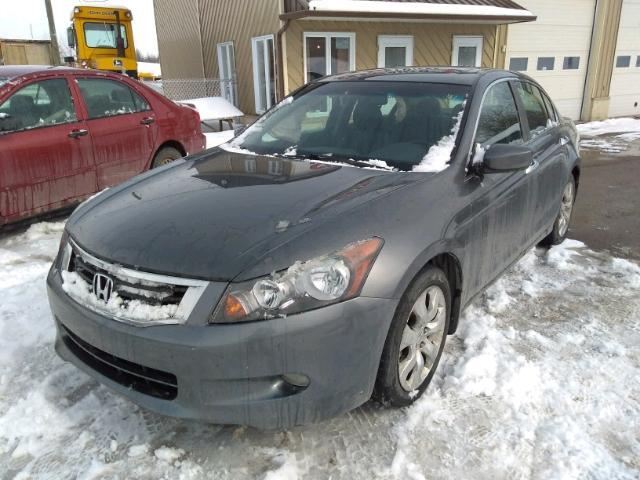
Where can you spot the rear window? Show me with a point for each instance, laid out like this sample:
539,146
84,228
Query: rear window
107,98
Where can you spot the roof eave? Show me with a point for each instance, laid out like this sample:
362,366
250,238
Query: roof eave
498,19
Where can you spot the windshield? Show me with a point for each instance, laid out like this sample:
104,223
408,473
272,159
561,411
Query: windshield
103,35
399,125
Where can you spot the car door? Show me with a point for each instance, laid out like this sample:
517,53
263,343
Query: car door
122,126
547,176
46,160
499,201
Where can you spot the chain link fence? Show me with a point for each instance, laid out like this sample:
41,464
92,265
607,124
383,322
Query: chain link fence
186,88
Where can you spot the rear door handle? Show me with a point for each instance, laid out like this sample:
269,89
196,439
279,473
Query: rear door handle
147,121
78,132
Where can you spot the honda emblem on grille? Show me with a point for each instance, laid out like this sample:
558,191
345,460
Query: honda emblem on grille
102,287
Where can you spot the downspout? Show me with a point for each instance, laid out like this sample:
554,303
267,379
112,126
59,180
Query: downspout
280,62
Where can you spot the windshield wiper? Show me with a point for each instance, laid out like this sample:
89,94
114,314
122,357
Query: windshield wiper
328,158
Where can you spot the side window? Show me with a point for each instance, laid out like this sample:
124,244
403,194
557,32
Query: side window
553,115
534,107
499,122
107,98
39,104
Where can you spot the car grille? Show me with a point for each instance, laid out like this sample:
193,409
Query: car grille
146,380
145,299
129,289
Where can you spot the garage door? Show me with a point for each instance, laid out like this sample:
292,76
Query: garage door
625,81
554,50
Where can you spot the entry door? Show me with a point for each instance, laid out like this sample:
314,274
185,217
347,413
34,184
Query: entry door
395,51
264,78
467,51
227,67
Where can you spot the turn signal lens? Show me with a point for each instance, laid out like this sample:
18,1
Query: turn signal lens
233,308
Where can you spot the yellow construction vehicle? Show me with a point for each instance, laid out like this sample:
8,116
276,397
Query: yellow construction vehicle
103,39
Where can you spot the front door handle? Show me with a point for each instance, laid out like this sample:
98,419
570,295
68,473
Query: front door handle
147,121
78,132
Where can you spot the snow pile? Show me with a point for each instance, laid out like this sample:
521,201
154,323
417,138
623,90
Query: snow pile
548,391
609,136
438,156
218,138
540,381
427,8
609,126
213,108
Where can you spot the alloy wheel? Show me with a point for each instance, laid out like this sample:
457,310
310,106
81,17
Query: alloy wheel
421,338
566,207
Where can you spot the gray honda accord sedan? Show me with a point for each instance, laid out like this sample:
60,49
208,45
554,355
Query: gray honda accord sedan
323,255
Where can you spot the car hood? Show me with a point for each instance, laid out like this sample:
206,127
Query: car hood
217,214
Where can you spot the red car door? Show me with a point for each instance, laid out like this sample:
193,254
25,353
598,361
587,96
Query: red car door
46,160
122,127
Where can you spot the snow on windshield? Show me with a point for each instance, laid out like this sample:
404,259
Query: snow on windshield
439,155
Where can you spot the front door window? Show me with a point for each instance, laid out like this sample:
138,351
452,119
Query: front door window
395,51
39,104
328,53
264,78
467,51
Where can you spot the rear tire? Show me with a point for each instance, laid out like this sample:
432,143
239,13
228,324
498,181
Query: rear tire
165,155
415,340
561,225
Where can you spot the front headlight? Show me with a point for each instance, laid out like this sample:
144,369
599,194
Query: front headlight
304,286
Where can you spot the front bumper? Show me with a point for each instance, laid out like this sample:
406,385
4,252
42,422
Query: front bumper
232,374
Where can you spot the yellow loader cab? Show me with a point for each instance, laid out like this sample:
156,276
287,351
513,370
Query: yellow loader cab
103,39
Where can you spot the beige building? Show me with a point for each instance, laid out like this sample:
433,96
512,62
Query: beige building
585,53
263,49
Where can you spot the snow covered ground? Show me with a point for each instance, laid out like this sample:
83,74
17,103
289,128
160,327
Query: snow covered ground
541,381
613,135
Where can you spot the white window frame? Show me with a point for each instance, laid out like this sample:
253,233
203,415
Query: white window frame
256,83
328,36
385,41
231,65
467,41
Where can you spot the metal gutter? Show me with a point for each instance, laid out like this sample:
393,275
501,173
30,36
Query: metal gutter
406,16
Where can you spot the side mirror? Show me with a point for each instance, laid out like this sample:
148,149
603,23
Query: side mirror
238,128
506,158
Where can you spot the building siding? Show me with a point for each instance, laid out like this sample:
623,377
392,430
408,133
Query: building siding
433,42
237,21
179,41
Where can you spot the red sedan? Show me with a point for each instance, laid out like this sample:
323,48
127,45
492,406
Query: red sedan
67,133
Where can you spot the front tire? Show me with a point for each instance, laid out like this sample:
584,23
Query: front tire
416,339
561,225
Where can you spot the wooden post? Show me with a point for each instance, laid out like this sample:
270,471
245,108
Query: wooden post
55,50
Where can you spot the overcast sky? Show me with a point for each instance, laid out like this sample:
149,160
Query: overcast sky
27,19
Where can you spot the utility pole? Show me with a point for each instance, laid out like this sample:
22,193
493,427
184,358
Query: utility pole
55,50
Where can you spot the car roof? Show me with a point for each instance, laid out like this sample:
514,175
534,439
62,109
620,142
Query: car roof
12,71
453,75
